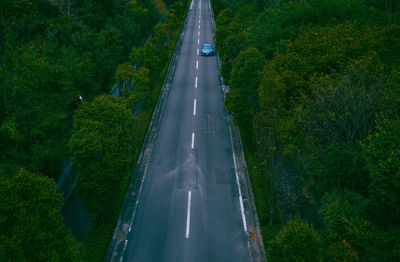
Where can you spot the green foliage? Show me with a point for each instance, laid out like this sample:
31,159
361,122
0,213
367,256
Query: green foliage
296,242
344,223
223,29
242,100
40,89
138,79
102,143
31,224
124,71
141,82
233,45
51,55
382,151
341,251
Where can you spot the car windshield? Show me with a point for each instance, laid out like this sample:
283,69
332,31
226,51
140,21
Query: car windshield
206,46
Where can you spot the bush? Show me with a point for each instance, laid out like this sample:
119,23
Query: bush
296,242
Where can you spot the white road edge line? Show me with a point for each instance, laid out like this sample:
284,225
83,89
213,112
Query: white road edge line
197,64
194,107
192,140
188,214
195,83
238,184
138,197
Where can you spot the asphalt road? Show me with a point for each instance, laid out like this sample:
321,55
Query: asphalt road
189,207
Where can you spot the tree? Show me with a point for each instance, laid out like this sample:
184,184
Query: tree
107,53
31,223
296,242
40,88
232,46
344,215
341,251
124,72
242,100
102,143
141,83
382,152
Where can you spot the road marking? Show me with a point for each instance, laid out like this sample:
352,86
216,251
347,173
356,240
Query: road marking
197,51
238,184
195,83
192,140
197,64
194,107
188,214
198,41
198,34
138,197
199,27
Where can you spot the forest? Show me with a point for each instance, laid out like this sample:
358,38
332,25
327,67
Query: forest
315,90
59,60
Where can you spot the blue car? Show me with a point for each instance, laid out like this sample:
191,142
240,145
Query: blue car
207,49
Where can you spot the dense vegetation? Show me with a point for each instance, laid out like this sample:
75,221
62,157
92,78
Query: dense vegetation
53,55
314,88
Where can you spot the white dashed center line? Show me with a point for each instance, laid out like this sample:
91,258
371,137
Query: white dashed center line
197,51
192,140
197,64
198,41
198,33
194,107
195,83
188,214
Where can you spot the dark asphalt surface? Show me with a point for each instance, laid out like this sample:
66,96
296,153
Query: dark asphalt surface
162,229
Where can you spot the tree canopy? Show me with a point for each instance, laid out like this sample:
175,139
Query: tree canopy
31,223
102,143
